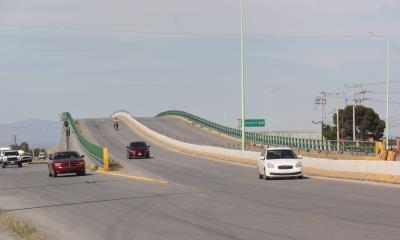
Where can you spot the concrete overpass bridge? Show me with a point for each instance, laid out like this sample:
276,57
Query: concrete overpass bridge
204,192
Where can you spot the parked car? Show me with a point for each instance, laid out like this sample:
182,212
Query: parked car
42,156
138,149
11,158
66,162
26,157
279,162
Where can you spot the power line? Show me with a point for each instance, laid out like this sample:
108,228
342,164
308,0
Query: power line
394,92
278,36
377,83
382,101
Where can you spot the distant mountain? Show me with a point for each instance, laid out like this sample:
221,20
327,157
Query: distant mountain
36,132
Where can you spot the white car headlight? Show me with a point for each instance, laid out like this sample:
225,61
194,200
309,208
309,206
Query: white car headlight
270,165
299,165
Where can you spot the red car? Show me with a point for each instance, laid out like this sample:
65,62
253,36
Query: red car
66,162
138,149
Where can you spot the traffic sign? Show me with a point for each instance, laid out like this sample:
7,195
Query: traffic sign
252,123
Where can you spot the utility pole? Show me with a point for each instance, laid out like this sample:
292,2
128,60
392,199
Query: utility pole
15,139
321,101
67,134
358,97
337,127
336,95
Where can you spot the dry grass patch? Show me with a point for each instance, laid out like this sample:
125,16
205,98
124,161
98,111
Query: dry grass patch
19,229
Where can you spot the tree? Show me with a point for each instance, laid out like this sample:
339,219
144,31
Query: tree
24,146
36,151
368,124
14,146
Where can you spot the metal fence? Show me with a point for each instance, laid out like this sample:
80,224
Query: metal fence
361,148
95,152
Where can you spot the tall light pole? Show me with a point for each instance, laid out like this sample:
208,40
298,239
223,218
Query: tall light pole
387,89
242,72
269,110
387,93
354,113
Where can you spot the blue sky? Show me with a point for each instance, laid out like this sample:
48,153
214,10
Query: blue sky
93,57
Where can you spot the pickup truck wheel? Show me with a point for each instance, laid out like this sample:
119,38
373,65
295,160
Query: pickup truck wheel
260,176
54,174
50,175
3,165
19,165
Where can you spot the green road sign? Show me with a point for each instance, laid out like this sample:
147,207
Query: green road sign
252,122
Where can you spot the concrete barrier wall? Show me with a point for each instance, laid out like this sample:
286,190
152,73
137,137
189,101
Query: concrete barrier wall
385,171
246,157
378,167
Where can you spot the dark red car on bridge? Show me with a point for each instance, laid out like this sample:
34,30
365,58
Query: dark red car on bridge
138,149
66,162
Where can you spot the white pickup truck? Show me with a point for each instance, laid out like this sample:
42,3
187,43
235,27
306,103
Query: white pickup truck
11,158
2,149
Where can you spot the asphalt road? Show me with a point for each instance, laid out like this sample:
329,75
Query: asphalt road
205,199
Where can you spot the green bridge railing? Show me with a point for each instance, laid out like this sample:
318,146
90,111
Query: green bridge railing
96,153
356,148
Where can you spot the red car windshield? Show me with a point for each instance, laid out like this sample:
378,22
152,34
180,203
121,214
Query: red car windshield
138,145
66,155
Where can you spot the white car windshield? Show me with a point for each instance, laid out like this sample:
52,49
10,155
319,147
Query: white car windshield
11,153
281,154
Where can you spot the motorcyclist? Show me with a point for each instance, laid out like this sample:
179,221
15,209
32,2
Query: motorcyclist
116,123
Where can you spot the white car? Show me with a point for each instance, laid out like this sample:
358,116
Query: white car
11,158
42,156
279,162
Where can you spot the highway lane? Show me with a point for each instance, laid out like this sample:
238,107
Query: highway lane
233,204
184,131
95,206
